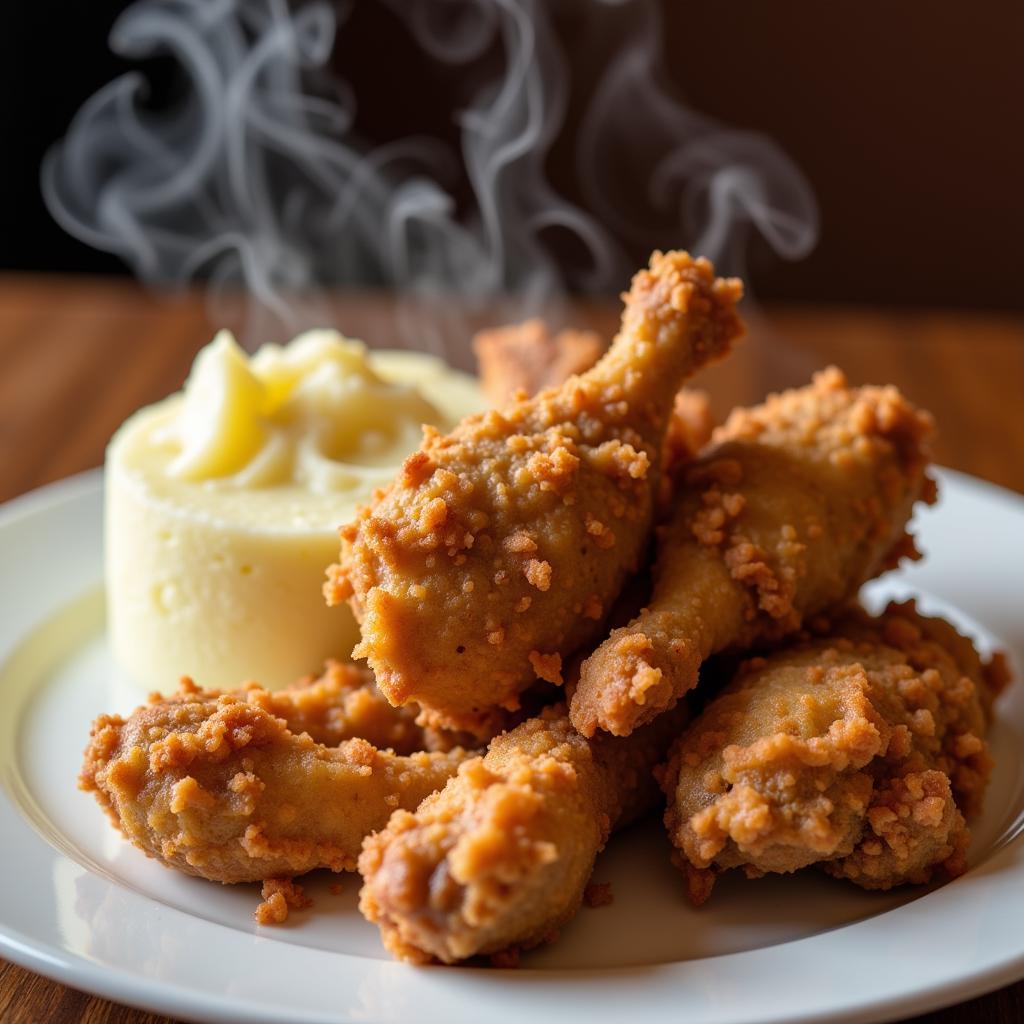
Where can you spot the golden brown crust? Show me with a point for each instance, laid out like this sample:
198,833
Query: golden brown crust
861,751
598,894
690,429
345,703
528,358
454,613
280,895
501,856
796,504
221,785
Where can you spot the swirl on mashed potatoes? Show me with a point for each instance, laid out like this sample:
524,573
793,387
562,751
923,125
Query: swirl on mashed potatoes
322,415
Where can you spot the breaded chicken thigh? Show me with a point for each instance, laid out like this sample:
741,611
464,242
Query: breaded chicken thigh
500,547
861,751
796,503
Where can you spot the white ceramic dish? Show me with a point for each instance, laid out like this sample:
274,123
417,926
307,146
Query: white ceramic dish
82,906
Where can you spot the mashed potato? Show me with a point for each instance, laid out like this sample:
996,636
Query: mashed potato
223,502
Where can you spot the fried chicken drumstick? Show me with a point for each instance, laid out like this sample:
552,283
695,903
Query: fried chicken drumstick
861,751
235,787
500,857
528,357
500,547
797,503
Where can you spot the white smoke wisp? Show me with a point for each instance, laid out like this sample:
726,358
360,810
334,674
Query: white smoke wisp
255,180
494,255
684,175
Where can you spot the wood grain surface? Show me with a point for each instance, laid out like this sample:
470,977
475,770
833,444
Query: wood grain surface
78,355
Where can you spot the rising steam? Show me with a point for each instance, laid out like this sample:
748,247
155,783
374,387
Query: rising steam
255,177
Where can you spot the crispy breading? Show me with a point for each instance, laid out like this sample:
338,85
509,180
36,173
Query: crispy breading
796,503
500,858
455,613
235,787
344,703
280,896
861,751
528,358
690,428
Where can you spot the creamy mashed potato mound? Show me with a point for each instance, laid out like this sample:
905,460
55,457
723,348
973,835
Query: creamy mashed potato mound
223,502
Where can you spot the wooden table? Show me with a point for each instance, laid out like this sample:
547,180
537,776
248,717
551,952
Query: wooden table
76,356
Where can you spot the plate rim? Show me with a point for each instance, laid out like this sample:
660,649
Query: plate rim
127,986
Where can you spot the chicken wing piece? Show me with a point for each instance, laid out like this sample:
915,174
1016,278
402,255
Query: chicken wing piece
796,503
499,547
861,751
233,787
499,859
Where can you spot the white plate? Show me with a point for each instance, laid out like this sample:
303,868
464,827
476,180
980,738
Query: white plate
82,906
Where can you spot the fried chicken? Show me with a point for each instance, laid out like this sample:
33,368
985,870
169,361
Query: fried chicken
528,358
235,787
500,858
343,703
797,503
690,428
499,548
861,751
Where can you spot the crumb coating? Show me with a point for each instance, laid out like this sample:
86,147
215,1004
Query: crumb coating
279,897
237,787
796,503
528,358
499,548
861,751
500,858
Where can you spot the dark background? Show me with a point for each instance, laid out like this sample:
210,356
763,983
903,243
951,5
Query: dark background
906,119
